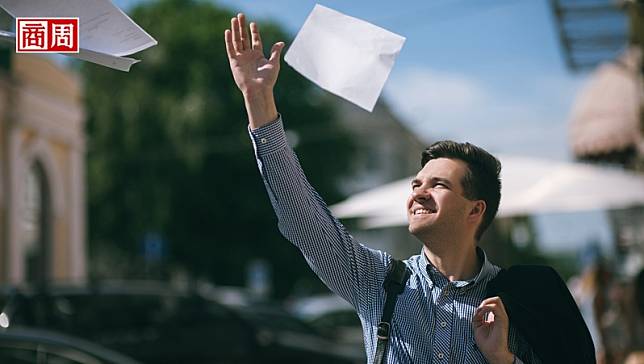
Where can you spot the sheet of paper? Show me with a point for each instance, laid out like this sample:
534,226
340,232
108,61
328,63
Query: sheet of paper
344,55
104,28
107,60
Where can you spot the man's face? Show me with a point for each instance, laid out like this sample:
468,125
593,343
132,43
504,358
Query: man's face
436,206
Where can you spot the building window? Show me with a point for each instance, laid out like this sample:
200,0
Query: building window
36,226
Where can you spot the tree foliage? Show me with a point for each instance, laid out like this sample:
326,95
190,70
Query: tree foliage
169,152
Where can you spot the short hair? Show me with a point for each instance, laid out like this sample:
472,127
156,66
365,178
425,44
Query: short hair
481,181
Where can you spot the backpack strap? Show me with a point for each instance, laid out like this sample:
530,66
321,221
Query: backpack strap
394,284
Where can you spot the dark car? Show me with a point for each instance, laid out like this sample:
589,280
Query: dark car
33,346
157,324
332,315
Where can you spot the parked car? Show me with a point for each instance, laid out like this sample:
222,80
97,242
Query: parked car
33,346
332,316
157,324
286,331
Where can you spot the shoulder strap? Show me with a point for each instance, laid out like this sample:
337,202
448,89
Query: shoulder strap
394,284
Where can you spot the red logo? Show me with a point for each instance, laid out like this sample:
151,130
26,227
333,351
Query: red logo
47,35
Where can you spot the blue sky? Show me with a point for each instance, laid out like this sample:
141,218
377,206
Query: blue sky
489,72
486,71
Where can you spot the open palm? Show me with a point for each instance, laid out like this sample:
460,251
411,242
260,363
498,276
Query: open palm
252,71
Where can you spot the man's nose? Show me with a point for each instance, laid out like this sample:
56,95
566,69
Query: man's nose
421,194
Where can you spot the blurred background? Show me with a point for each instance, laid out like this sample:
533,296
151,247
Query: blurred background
140,190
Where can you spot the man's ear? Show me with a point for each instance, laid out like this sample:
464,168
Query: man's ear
478,209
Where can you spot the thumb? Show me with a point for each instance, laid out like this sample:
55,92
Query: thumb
276,50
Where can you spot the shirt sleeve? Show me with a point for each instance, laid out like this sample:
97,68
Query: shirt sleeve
348,268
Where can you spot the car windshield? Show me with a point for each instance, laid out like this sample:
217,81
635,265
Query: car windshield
274,318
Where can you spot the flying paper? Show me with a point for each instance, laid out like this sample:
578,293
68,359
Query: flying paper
106,33
344,55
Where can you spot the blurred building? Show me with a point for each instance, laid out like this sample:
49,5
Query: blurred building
605,123
606,37
607,120
42,190
386,149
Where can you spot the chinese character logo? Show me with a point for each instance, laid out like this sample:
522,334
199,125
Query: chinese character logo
47,35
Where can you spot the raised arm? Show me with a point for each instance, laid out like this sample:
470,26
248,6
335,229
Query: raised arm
253,73
348,268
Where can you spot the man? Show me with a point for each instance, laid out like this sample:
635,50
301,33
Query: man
443,315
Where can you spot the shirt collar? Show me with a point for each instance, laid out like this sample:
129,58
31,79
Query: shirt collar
432,274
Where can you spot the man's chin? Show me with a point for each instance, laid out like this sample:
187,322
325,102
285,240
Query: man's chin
417,229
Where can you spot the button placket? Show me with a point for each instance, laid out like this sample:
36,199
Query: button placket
444,313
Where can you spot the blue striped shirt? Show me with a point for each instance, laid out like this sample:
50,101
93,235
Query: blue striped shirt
432,318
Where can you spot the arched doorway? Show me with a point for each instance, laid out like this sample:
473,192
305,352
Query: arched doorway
36,222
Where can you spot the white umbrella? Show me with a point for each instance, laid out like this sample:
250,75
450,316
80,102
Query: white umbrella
530,186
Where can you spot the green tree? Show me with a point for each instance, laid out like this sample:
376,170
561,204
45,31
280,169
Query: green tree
169,152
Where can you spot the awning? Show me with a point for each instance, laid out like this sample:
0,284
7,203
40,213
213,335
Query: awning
530,186
606,114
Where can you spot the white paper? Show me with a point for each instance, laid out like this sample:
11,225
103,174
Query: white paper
103,28
116,62
106,33
107,60
344,55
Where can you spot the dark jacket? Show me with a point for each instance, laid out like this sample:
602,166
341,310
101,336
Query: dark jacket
542,309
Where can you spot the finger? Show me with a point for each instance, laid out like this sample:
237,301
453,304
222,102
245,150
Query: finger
495,299
276,50
479,318
483,310
230,48
234,27
243,31
490,317
255,37
496,309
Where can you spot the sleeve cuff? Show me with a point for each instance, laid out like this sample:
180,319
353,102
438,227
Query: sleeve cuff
269,138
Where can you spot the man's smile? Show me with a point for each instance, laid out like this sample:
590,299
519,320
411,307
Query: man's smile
422,211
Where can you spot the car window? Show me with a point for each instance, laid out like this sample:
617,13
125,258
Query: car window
156,327
275,319
335,319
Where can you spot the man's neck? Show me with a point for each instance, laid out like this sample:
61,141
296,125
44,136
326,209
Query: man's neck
455,263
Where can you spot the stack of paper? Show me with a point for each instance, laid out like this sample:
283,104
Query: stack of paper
106,33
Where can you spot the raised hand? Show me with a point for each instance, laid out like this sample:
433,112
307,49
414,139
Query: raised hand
491,325
254,74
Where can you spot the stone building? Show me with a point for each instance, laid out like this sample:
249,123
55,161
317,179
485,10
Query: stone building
42,188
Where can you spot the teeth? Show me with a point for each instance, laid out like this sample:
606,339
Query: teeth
422,211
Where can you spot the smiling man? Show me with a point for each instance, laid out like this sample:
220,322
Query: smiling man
444,313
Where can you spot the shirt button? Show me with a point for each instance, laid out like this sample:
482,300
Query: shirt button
443,324
441,356
263,141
